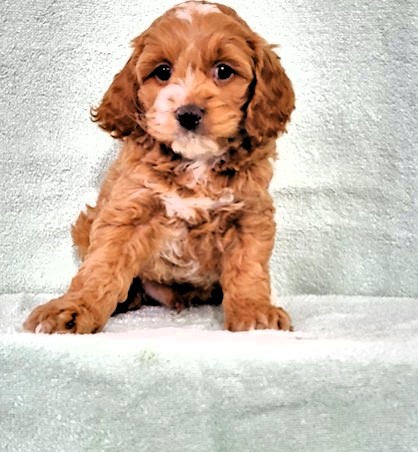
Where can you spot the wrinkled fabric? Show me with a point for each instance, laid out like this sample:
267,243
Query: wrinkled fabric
345,380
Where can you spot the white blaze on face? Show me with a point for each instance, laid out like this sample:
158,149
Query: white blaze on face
162,122
185,11
162,119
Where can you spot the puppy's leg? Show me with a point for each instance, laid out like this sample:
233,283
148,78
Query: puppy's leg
245,279
121,239
80,231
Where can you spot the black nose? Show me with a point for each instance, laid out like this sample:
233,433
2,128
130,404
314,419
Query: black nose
189,116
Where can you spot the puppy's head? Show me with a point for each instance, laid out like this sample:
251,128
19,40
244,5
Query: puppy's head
198,77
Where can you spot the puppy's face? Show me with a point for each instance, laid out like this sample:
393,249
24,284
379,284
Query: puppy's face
196,78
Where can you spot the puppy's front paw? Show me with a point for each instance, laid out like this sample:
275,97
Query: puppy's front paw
63,315
258,318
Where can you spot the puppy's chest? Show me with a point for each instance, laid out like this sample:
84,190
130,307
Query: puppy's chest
198,208
194,222
198,197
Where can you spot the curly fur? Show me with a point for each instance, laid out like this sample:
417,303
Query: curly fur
183,216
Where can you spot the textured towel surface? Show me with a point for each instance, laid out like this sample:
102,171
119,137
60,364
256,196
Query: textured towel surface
346,185
345,381
346,188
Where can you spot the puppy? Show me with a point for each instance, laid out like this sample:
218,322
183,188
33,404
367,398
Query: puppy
184,213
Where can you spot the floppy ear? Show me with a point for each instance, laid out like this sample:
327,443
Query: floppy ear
272,99
119,109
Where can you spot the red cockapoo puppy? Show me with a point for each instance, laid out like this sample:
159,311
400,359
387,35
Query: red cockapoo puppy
184,213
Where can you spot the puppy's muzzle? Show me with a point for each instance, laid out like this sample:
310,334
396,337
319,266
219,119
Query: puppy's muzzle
189,116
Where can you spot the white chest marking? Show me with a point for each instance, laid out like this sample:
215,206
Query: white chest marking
186,208
198,171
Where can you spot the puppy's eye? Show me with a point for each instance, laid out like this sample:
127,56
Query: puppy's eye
162,72
223,72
